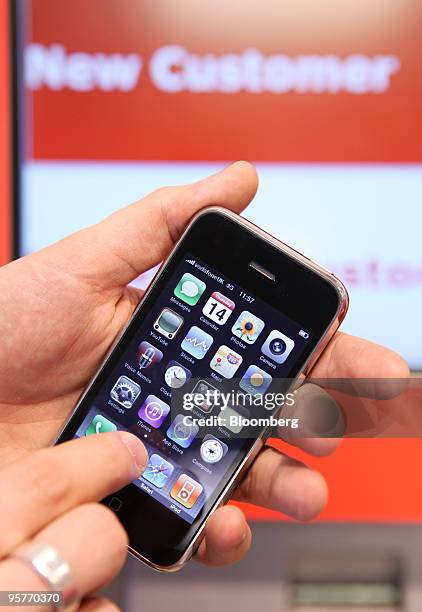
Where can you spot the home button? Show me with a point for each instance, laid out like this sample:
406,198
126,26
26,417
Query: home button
115,504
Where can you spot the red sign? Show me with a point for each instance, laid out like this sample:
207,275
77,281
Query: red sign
283,81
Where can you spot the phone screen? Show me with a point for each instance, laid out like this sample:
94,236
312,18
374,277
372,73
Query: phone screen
210,330
205,332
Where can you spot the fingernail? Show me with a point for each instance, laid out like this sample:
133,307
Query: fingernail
136,449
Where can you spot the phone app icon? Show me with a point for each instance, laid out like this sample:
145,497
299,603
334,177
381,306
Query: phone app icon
197,342
153,411
248,327
255,380
125,392
204,396
148,355
226,361
99,424
181,432
189,289
158,471
232,418
212,449
186,491
168,323
277,346
218,308
176,375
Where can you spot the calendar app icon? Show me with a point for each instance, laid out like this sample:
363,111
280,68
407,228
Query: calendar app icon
218,308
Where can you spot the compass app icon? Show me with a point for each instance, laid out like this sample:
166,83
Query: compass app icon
158,471
197,342
212,449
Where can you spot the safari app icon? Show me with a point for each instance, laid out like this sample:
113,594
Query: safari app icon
189,289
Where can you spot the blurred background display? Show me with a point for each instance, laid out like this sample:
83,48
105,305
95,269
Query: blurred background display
122,97
119,97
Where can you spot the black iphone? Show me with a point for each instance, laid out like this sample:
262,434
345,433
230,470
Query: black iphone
232,309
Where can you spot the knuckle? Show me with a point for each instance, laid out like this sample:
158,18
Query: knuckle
163,193
50,482
101,604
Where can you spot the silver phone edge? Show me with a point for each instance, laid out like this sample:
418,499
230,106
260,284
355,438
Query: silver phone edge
307,366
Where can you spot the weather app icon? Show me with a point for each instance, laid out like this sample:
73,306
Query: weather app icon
197,342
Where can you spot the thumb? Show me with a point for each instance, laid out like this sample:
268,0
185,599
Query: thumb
137,237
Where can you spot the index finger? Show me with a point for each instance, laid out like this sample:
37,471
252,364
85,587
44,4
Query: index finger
48,483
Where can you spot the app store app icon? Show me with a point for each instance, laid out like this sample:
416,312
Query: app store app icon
182,432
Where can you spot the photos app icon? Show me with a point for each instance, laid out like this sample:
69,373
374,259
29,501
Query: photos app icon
248,327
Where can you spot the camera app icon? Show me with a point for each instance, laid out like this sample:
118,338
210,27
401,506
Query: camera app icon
277,346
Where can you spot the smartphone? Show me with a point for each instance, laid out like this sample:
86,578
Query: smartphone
231,306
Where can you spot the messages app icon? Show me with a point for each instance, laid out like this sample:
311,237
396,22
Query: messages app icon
189,289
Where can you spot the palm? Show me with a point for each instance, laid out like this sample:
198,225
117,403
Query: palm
57,328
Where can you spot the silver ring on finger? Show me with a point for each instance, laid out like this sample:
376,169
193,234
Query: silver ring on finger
53,570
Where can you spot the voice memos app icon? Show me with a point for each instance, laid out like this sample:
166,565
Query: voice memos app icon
197,342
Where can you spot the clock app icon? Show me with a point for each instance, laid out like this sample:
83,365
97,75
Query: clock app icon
176,375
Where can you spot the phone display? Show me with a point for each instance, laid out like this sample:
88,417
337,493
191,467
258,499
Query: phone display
209,324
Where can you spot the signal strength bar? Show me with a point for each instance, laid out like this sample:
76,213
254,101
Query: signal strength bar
191,261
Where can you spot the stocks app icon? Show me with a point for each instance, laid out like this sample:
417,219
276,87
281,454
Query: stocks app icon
153,411
197,342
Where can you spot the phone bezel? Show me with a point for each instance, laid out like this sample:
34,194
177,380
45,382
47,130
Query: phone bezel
228,243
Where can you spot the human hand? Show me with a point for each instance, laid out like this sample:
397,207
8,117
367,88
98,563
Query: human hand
63,306
51,494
